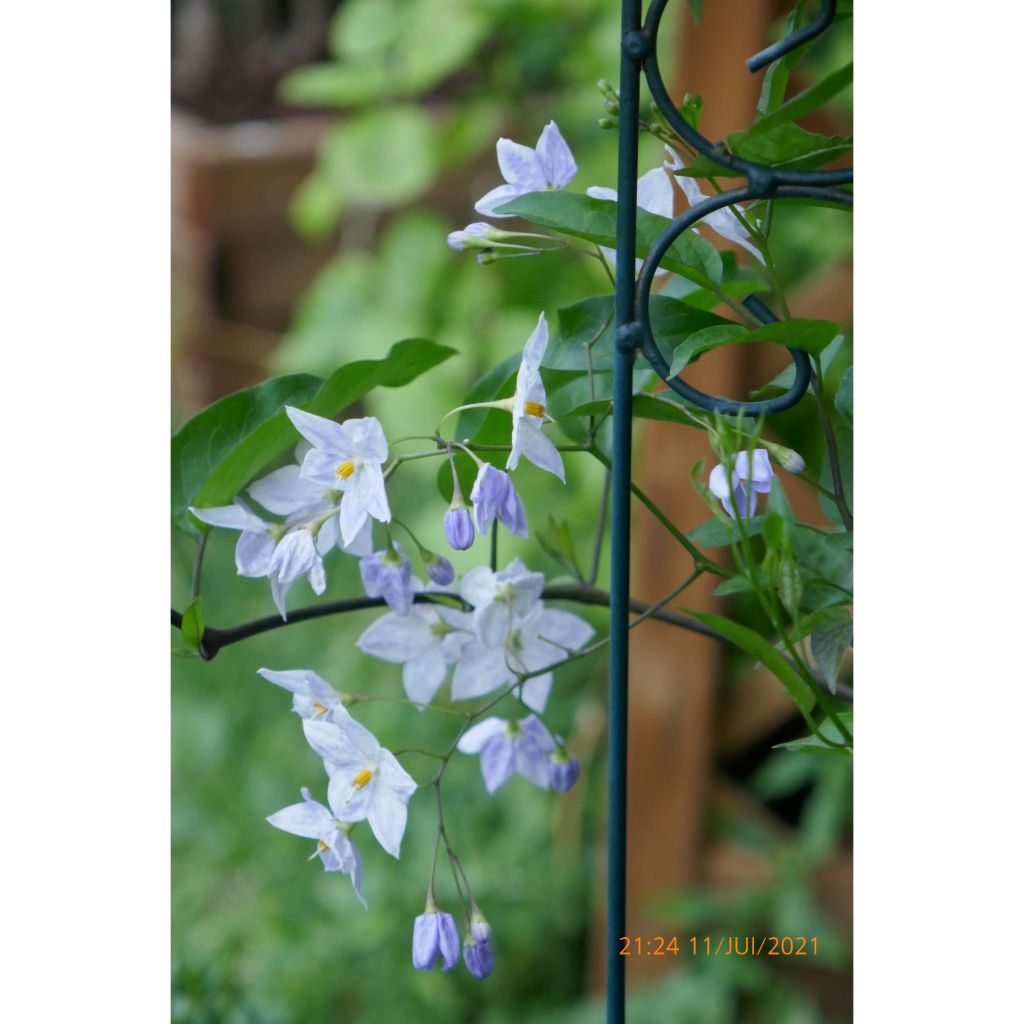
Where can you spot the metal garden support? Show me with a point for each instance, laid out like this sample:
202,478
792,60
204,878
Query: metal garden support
633,337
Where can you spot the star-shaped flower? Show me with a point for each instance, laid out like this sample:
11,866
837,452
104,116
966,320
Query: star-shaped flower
366,781
750,477
506,747
424,642
313,697
312,820
723,221
347,457
548,167
528,409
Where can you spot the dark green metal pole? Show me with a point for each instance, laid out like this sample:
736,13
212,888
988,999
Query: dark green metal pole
627,340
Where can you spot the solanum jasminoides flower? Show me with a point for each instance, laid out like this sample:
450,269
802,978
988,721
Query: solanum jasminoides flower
507,747
424,642
347,457
494,496
750,477
312,697
434,936
548,167
366,781
655,193
388,574
528,409
497,597
724,222
337,852
255,546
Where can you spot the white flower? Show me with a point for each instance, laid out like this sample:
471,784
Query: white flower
255,547
496,596
722,221
366,781
337,852
313,697
750,477
285,492
424,642
542,637
654,193
528,409
548,167
347,457
506,747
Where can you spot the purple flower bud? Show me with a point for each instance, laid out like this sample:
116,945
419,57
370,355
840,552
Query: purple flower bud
434,934
470,237
478,956
564,771
494,497
478,925
388,574
439,569
458,527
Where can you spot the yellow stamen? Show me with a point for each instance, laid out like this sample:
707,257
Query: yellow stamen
319,708
321,846
534,408
345,470
362,779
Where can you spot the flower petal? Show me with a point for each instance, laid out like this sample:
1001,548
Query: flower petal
398,638
422,677
387,818
520,166
497,761
229,517
284,491
564,628
473,740
253,553
555,157
320,432
310,819
502,194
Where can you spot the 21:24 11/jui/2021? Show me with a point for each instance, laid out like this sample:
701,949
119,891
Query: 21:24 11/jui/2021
725,945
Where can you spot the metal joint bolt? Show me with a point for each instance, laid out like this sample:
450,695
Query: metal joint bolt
629,338
637,44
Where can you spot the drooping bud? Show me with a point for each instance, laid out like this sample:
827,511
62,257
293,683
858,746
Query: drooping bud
439,569
478,956
564,770
789,460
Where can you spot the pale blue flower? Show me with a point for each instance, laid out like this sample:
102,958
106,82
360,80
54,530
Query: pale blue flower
337,852
424,642
366,781
528,410
494,496
388,574
507,747
750,477
347,457
434,936
313,697
548,167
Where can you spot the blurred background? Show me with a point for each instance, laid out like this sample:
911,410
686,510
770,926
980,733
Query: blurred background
321,153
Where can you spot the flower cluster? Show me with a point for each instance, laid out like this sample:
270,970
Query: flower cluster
366,782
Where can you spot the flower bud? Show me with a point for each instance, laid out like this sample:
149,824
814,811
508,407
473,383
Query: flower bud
458,526
439,569
434,935
478,925
789,460
564,770
478,956
470,237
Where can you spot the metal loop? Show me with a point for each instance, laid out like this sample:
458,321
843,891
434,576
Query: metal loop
764,174
649,346
794,39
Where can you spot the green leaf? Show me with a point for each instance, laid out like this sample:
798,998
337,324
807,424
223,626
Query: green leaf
761,649
776,77
335,85
384,157
788,145
827,556
202,444
813,745
192,625
829,643
713,533
314,209
581,216
809,335
252,449
807,101
844,395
